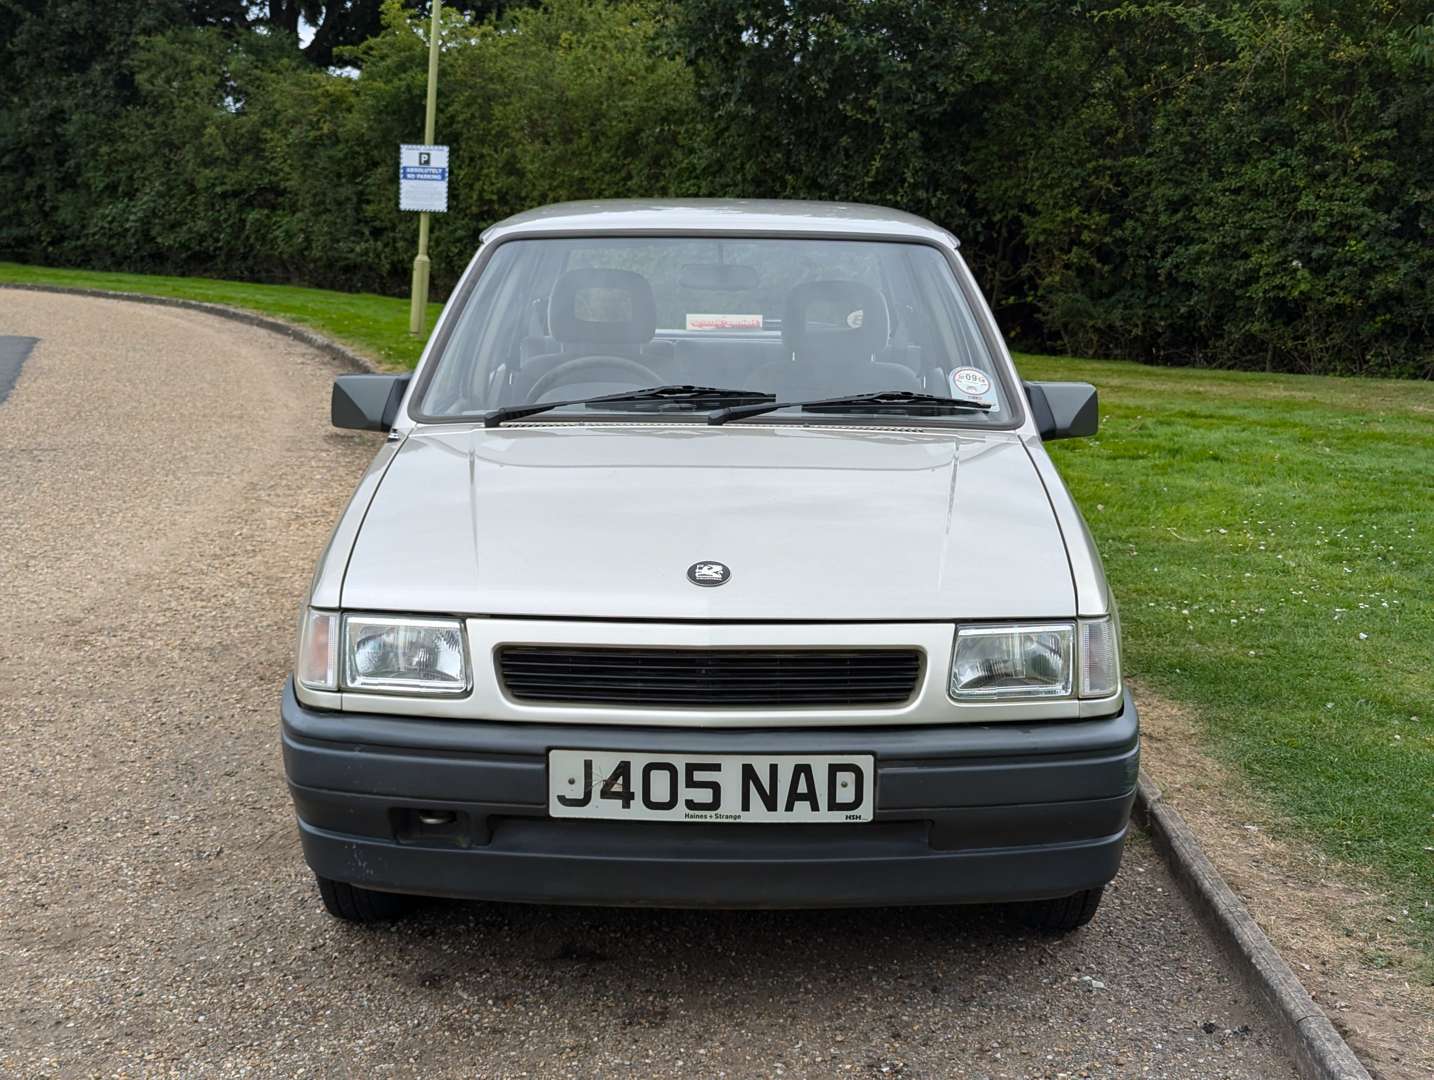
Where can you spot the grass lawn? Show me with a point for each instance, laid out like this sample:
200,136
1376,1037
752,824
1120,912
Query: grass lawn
1271,540
374,325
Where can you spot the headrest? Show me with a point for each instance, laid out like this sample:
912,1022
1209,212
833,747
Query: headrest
843,316
602,307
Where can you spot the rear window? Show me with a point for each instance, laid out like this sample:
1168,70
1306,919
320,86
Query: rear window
678,270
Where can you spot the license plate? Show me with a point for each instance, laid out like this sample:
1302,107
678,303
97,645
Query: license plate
710,787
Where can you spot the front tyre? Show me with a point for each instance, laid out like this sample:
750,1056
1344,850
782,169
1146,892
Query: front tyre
1061,915
353,904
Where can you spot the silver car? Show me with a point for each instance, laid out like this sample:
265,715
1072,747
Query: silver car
713,558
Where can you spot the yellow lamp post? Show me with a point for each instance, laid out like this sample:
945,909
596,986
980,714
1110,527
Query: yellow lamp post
419,304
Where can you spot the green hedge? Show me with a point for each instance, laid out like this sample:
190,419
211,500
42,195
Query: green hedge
1205,182
228,155
1241,184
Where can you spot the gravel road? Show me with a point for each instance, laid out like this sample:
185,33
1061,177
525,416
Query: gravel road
169,480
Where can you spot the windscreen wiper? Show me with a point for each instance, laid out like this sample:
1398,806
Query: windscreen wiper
883,401
653,398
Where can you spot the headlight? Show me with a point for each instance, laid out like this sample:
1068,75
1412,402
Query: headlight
1040,660
997,662
317,665
390,655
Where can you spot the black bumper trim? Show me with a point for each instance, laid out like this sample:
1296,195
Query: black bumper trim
915,743
963,814
607,877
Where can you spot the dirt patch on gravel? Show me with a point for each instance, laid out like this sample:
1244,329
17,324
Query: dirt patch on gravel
1330,920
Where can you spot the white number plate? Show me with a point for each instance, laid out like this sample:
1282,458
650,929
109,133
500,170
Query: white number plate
710,787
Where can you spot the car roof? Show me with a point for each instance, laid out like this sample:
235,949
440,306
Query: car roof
781,217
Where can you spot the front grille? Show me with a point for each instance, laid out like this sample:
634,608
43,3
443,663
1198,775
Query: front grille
708,678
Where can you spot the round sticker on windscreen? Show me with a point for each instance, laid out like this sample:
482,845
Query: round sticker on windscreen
970,382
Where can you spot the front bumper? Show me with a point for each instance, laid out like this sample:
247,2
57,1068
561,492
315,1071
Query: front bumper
964,814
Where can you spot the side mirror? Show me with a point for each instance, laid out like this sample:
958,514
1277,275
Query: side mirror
367,402
1064,410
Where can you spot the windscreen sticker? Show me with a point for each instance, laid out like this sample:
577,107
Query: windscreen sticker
724,322
970,382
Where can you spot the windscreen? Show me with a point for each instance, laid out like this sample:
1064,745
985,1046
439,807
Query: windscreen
552,320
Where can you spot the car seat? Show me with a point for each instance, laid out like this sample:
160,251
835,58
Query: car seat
627,331
832,332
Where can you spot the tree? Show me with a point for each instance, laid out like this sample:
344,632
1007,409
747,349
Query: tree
64,78
330,24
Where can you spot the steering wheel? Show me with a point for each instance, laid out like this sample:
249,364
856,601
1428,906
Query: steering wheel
646,376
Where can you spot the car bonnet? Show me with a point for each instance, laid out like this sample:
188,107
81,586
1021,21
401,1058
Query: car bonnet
812,523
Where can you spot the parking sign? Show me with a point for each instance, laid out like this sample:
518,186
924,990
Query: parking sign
423,178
